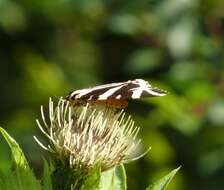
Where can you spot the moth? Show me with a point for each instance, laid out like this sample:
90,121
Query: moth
114,95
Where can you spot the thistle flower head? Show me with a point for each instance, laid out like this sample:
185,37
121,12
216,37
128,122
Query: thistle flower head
83,136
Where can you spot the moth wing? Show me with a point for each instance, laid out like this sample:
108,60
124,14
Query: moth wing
134,89
94,93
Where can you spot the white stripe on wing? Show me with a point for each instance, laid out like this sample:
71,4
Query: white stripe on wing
108,93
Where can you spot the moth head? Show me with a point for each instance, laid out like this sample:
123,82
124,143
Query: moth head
144,89
142,83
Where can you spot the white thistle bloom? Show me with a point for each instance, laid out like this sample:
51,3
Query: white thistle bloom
83,136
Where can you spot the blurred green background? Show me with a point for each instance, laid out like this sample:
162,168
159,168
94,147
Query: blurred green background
50,47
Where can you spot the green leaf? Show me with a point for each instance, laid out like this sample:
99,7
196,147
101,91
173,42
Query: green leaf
21,177
113,179
19,159
163,183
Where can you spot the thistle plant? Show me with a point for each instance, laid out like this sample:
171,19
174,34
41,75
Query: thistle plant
81,137
89,145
